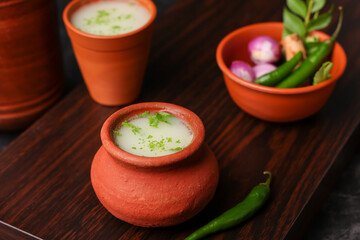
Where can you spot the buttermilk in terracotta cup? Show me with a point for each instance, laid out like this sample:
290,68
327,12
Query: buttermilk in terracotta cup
110,17
111,42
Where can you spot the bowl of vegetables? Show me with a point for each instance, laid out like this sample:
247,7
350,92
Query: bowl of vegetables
280,75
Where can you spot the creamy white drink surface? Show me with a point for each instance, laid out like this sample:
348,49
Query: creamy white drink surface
152,135
110,17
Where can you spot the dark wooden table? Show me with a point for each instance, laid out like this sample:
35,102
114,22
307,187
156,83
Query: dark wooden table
44,173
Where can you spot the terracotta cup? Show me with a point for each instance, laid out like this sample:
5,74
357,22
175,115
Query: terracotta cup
113,67
269,103
31,77
154,191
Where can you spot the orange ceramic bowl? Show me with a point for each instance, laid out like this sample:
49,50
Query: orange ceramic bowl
269,103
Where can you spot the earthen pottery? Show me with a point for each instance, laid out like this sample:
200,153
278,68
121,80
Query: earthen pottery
31,77
113,67
269,103
154,191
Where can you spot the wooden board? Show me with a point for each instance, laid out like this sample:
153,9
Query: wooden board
10,232
44,174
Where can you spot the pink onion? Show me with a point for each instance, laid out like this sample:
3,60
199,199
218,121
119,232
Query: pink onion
263,68
242,70
264,49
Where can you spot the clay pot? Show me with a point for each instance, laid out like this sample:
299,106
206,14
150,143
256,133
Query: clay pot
113,67
154,191
31,77
269,103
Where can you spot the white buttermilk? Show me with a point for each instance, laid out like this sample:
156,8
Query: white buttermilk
110,17
150,141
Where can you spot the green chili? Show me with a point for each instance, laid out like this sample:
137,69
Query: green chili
311,47
274,77
307,68
310,65
238,214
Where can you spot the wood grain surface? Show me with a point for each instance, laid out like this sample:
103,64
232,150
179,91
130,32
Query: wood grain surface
44,174
9,232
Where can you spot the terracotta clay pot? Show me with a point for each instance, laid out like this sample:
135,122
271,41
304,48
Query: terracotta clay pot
269,103
154,191
31,77
113,67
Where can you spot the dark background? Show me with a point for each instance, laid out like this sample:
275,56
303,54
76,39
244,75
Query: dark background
339,218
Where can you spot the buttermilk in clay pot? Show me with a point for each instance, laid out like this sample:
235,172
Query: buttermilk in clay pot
154,191
112,66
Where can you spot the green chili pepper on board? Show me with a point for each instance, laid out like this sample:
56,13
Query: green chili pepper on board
274,77
310,65
238,214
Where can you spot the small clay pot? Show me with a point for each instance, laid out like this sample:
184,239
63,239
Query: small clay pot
154,191
270,103
113,67
31,77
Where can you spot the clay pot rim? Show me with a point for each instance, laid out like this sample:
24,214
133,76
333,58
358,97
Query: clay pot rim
139,161
148,4
338,53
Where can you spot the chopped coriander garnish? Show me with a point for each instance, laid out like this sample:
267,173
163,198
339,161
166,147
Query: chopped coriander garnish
176,149
133,147
145,114
163,116
88,21
153,121
117,133
169,139
101,17
159,117
149,136
178,141
156,145
102,13
135,129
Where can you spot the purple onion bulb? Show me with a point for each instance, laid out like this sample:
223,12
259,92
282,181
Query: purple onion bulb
264,49
263,68
242,70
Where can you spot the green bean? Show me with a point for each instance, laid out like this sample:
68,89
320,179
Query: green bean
238,214
274,77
